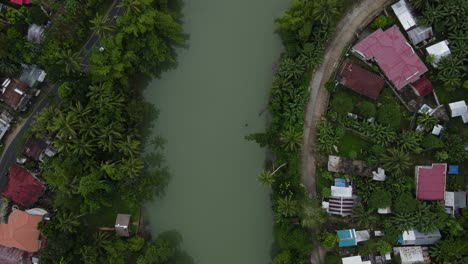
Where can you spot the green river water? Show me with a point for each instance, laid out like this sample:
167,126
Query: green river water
208,104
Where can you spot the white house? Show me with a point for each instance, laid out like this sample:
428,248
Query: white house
355,260
403,12
459,109
438,51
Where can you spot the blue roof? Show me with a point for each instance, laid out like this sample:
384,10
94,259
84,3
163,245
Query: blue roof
453,169
340,182
347,238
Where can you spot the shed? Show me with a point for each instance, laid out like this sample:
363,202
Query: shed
419,34
22,187
439,51
454,201
403,12
453,169
361,81
430,181
410,255
459,109
395,56
347,238
379,175
355,260
437,129
422,87
415,237
122,224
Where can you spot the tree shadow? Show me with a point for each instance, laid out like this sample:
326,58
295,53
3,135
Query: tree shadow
180,256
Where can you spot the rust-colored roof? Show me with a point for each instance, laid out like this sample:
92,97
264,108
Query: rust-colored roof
360,80
10,255
21,187
21,231
431,182
34,148
14,92
423,86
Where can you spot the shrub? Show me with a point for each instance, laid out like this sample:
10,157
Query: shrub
380,199
328,239
382,22
404,203
342,104
389,115
333,258
367,247
330,85
352,154
431,142
326,192
367,109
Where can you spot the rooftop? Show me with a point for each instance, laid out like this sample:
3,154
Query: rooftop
34,148
459,109
430,181
347,238
394,55
22,187
13,92
355,260
419,34
360,80
403,12
439,51
21,231
422,86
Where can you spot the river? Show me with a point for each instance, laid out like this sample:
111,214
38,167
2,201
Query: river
208,104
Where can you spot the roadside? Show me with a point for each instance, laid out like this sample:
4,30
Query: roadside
354,20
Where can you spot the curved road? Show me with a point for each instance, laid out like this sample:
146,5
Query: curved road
361,15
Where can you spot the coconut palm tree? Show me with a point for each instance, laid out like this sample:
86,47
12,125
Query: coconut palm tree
69,61
362,217
291,138
287,207
325,11
100,24
267,178
396,161
132,7
68,222
291,69
129,146
410,141
427,121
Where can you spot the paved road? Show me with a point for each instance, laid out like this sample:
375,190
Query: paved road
8,157
86,51
357,18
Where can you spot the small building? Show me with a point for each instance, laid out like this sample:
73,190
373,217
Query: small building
454,201
438,51
419,34
355,260
21,2
5,121
404,14
32,75
412,255
422,87
395,56
35,33
351,237
9,255
22,187
14,94
414,237
122,224
21,231
437,129
361,81
379,175
430,181
386,210
453,169
459,109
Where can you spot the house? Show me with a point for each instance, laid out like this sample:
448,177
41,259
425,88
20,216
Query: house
422,87
121,225
9,255
341,201
360,80
419,34
414,237
404,14
35,33
430,181
14,94
35,148
21,231
352,167
355,260
32,75
459,109
454,201
395,56
412,255
22,187
453,169
5,121
351,237
21,2
438,51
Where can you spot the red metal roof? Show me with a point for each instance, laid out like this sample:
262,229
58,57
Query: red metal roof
21,2
423,86
431,182
21,231
14,92
21,187
394,55
360,80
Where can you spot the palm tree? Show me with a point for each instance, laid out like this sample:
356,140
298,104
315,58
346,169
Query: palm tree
410,141
129,147
362,217
101,25
132,7
132,167
325,11
101,240
69,60
427,121
291,69
312,215
8,68
67,222
286,206
65,125
267,177
82,146
420,4
108,138
396,161
291,139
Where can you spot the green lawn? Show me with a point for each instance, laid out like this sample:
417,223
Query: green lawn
352,142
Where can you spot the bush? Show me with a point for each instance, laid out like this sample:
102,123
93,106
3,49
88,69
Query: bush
330,85
328,239
380,199
389,115
367,247
404,203
326,192
333,259
367,109
431,142
382,22
342,104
